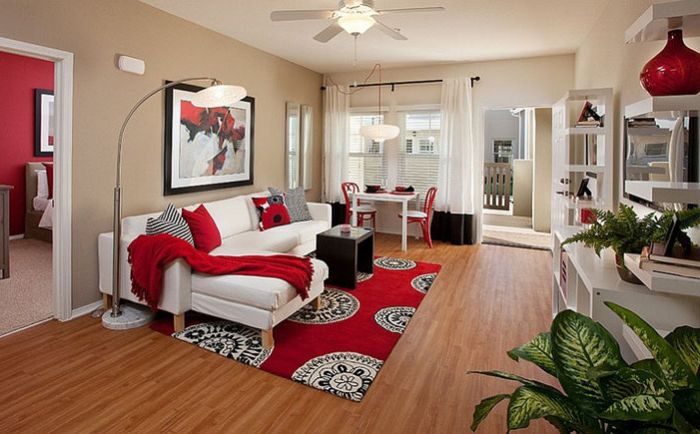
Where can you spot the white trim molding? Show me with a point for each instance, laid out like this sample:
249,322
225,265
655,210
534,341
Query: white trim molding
85,310
63,81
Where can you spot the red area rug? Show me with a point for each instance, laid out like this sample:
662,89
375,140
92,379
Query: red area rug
338,349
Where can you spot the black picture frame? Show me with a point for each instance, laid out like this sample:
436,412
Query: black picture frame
38,115
168,188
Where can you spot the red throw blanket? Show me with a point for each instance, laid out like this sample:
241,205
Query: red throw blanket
149,254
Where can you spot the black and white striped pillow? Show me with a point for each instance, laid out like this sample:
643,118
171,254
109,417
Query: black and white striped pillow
170,222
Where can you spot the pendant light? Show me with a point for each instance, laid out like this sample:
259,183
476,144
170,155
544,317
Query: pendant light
379,132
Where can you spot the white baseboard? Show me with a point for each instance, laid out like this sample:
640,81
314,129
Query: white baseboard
85,310
16,237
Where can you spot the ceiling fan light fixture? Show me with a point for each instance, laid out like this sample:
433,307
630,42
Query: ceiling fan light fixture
356,24
380,132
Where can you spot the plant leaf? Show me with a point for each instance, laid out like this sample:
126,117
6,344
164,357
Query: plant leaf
484,408
687,402
676,372
682,425
537,351
528,403
509,376
649,365
580,345
638,395
686,341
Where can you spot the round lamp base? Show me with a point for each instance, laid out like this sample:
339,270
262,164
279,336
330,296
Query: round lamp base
132,316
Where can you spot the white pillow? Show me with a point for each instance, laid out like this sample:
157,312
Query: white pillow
42,185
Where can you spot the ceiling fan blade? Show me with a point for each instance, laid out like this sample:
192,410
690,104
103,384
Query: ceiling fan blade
389,31
300,15
328,33
405,10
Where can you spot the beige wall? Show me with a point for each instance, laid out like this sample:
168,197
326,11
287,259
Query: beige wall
606,61
96,30
542,180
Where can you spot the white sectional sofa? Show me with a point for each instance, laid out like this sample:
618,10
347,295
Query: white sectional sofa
259,302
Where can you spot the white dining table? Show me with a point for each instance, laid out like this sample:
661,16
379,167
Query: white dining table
403,199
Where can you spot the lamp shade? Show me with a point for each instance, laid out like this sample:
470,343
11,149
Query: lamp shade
219,95
356,24
379,132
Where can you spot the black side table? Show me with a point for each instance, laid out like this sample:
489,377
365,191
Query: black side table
346,254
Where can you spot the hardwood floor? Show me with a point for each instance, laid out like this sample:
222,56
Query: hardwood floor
78,376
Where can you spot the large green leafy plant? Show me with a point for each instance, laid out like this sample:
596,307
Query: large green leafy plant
601,392
625,232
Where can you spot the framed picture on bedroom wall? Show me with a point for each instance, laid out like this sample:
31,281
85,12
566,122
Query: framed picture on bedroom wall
206,148
43,123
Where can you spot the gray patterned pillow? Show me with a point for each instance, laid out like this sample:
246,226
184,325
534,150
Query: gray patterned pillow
170,222
296,203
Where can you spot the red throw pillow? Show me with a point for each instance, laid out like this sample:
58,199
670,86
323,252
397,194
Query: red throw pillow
49,178
272,211
204,231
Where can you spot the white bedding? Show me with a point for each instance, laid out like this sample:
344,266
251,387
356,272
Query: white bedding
46,221
40,203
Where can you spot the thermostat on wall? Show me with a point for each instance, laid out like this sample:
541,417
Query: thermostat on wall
131,64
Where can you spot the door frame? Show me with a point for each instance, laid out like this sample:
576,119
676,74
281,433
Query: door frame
63,94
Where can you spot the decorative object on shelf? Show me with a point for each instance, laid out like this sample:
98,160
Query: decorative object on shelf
624,232
674,71
207,148
213,96
589,117
587,216
602,393
379,132
583,190
44,122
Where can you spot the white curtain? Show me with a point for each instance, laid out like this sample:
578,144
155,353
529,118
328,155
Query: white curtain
460,162
335,141
529,133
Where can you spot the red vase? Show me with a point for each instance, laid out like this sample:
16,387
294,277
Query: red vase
674,71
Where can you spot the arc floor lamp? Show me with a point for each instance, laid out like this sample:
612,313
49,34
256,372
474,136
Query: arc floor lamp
215,95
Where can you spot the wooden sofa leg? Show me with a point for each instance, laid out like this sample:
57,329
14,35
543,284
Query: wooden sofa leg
267,340
106,301
316,303
179,322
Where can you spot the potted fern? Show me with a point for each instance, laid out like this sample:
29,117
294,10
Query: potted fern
602,394
625,232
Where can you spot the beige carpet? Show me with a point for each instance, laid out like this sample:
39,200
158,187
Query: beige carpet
25,297
526,238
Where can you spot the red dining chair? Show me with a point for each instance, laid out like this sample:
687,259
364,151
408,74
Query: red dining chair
423,218
364,212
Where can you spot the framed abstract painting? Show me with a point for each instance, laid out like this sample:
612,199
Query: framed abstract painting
43,123
206,148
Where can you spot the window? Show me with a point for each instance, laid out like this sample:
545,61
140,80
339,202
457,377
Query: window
419,153
366,163
502,150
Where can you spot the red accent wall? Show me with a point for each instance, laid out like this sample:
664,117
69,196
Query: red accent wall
19,76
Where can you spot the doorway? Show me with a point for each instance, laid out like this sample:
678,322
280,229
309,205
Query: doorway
517,177
36,229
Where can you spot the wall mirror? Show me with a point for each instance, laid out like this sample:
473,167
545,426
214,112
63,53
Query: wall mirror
299,146
292,148
307,145
661,154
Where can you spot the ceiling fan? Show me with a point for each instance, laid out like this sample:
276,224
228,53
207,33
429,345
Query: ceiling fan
353,16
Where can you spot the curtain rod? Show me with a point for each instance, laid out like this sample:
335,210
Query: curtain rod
393,84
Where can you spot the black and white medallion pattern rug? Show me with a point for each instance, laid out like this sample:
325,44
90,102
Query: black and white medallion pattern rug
338,349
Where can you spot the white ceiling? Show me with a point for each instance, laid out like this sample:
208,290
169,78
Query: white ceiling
469,30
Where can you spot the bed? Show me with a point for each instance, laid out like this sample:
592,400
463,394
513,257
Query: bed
38,221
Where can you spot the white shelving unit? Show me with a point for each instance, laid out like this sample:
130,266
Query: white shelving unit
661,282
569,144
659,104
664,191
658,19
593,280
